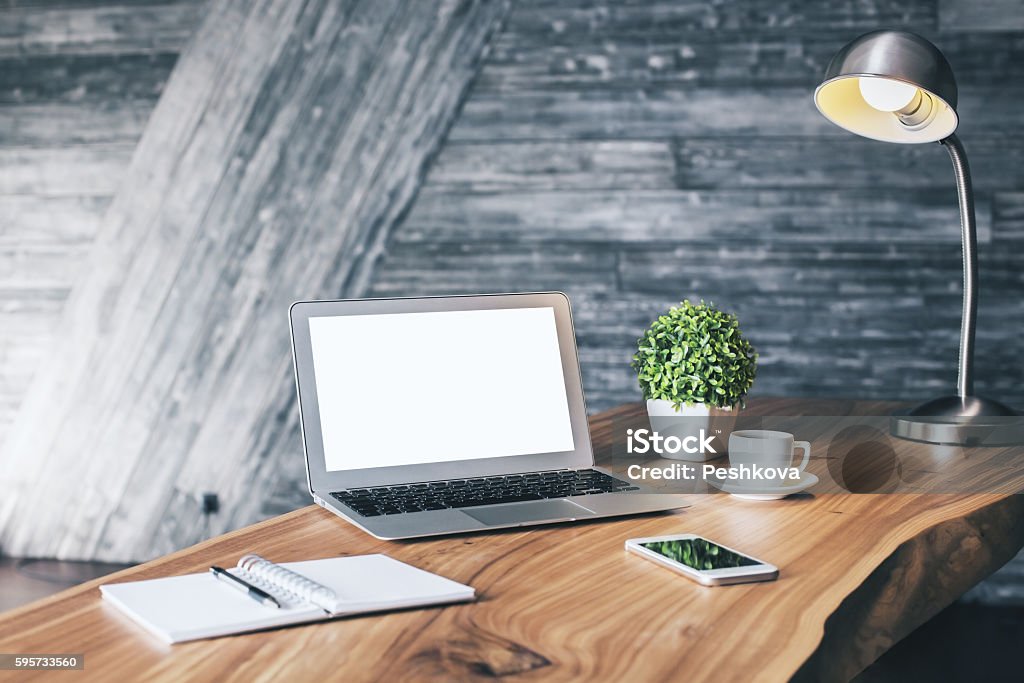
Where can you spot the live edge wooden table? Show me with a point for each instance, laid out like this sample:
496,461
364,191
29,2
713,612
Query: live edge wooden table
566,602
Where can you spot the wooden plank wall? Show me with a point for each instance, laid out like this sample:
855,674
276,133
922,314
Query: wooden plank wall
77,84
289,139
636,153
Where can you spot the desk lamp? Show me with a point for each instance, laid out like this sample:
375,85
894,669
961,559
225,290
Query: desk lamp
895,86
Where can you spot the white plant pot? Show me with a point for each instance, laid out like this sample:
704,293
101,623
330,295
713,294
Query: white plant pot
698,421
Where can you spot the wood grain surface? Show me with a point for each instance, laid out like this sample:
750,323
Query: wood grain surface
565,602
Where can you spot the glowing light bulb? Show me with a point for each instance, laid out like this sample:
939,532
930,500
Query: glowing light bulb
886,95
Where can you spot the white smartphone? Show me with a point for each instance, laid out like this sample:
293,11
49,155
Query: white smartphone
702,560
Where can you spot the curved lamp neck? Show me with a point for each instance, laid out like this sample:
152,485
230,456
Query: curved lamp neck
969,231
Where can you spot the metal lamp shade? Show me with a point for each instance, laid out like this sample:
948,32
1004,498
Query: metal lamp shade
896,56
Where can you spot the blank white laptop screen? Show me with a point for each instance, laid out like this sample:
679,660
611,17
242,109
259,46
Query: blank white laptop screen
417,388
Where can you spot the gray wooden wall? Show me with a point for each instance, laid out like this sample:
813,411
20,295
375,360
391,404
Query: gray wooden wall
628,153
633,154
78,81
289,140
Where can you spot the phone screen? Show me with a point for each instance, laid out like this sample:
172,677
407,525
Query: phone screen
699,554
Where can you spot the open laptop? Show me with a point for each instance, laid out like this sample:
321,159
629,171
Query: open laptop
442,415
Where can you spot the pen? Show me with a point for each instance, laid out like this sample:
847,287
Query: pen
260,596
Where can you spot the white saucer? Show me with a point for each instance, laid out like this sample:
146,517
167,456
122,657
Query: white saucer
763,490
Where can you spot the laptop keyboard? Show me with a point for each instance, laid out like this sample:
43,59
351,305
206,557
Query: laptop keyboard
464,493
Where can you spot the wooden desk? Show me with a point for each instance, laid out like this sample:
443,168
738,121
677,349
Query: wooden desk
859,572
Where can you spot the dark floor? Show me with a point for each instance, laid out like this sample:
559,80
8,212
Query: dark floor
966,642
22,581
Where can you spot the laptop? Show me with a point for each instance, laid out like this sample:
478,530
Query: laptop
441,415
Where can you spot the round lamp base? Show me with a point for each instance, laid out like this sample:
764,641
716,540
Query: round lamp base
956,421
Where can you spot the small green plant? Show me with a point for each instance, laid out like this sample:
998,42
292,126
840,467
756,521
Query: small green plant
695,353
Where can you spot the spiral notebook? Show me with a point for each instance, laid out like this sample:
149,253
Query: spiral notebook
195,606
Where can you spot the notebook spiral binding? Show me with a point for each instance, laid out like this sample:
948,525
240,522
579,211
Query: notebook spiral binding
276,575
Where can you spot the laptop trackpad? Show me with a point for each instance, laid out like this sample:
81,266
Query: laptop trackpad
515,513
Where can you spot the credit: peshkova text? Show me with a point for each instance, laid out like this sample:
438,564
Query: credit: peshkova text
680,471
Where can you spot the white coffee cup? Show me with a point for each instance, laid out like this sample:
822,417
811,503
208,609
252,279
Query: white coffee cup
766,448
